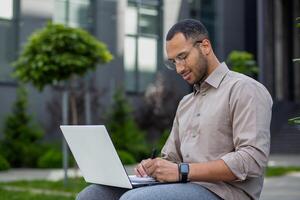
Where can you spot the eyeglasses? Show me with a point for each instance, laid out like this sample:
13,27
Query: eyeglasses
180,59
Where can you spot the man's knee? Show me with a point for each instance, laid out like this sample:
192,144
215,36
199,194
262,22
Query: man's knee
144,193
88,193
80,196
170,192
99,192
131,195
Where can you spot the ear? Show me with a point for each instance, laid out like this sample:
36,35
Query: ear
206,47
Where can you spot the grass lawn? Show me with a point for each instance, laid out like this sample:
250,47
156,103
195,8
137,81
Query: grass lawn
280,171
13,195
74,185
55,190
54,187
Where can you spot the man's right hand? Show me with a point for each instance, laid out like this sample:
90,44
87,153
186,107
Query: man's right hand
139,170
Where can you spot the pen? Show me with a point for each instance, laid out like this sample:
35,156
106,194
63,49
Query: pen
153,154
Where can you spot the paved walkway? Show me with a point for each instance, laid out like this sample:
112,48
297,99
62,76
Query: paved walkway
36,174
284,160
284,187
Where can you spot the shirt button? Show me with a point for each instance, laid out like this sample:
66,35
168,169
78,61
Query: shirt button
194,135
198,115
187,155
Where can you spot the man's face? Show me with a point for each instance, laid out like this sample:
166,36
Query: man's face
191,64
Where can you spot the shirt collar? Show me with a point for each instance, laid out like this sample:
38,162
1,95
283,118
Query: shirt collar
196,88
216,77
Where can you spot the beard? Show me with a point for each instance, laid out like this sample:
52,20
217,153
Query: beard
202,69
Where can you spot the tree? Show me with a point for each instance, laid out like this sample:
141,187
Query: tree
128,139
20,144
56,52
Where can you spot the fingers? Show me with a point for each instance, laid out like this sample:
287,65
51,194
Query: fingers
162,170
136,172
151,168
140,169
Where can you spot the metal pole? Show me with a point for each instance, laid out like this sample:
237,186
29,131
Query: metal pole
16,22
65,113
87,101
261,40
64,145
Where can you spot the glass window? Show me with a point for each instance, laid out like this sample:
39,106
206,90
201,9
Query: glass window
147,61
60,8
6,9
141,44
148,20
205,11
79,13
5,44
8,38
131,20
147,54
129,60
75,13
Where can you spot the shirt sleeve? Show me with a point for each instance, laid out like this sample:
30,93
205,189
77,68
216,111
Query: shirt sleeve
251,108
171,149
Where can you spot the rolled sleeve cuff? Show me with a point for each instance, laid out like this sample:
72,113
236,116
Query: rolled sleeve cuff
235,163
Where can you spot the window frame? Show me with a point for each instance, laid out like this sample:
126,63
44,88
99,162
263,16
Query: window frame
12,54
137,72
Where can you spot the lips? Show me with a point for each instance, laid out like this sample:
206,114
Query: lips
186,75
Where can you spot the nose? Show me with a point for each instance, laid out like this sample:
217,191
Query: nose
180,68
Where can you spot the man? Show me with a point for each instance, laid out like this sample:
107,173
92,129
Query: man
219,144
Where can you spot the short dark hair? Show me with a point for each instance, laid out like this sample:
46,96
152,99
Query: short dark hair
190,28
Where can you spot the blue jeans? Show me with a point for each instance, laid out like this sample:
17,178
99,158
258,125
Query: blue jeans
177,191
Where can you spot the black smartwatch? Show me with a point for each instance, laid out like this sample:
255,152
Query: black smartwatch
184,170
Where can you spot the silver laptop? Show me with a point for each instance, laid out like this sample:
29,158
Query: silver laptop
97,158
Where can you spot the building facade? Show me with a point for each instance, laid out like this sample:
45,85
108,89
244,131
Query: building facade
134,32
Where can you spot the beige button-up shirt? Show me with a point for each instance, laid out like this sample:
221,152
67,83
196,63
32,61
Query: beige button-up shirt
226,117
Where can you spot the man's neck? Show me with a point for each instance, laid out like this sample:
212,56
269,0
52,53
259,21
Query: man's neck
213,63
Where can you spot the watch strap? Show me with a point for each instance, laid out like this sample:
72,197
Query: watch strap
184,173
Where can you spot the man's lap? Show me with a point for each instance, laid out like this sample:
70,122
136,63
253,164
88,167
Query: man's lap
175,191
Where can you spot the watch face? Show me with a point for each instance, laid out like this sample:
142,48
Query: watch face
184,168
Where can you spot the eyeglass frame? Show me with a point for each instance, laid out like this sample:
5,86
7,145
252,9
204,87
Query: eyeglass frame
172,63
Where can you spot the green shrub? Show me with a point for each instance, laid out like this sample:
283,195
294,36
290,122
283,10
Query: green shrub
126,158
4,165
162,140
243,62
124,131
53,159
20,145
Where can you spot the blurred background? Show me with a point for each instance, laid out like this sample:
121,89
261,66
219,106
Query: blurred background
132,92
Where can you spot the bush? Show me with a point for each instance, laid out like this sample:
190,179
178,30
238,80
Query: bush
159,107
126,158
4,165
124,131
243,62
162,140
53,159
20,145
